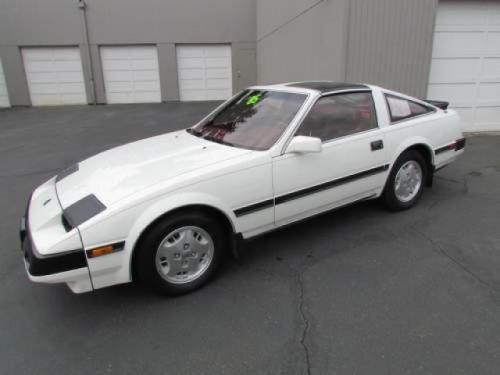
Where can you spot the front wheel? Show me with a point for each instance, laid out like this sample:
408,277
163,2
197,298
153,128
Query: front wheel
406,181
180,254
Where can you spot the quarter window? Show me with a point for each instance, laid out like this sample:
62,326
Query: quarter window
402,109
339,115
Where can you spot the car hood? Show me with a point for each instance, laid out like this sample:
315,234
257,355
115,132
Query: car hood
119,172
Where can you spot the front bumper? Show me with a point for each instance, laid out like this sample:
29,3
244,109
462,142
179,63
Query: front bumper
68,267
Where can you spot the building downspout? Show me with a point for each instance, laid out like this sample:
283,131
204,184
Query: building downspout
83,7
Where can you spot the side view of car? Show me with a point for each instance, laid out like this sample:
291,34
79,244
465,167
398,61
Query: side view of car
166,210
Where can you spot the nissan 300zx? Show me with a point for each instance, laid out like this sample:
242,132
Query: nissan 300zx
166,210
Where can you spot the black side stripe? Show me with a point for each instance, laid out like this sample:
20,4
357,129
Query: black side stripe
455,146
329,184
307,191
254,207
449,147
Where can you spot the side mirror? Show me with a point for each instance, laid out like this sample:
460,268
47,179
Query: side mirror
304,145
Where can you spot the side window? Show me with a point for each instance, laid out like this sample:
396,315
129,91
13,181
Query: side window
401,109
339,115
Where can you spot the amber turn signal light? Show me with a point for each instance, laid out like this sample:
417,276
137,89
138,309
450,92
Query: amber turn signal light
100,251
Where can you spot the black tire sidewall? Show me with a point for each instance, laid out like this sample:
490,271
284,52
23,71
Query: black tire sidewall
391,201
146,258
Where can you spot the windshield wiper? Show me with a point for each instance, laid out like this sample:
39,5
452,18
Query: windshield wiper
194,132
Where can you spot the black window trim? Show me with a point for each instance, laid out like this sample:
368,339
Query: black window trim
333,93
431,111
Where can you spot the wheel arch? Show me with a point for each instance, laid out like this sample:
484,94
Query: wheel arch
424,149
208,209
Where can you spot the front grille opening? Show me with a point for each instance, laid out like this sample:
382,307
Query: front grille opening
67,226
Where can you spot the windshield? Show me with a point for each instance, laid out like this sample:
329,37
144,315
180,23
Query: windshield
254,119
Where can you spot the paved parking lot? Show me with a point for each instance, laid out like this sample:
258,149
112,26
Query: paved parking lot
357,291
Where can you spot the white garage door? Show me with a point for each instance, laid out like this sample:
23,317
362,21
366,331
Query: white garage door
54,75
4,96
205,72
465,66
131,74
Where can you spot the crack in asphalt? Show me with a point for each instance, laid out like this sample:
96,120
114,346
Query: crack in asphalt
439,249
305,321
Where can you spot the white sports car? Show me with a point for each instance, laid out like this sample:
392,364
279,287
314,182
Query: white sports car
167,209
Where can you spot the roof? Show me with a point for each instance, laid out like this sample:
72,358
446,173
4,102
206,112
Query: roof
325,86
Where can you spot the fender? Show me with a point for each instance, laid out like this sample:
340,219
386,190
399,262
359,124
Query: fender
168,204
410,142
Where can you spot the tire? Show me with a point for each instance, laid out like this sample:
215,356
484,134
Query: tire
411,164
192,247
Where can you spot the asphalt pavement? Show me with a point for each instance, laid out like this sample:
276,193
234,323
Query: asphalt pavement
356,291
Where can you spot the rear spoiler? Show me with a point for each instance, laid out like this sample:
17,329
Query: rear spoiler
438,103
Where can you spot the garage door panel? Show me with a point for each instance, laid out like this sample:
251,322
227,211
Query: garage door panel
193,95
491,70
115,65
217,94
145,75
487,119
218,73
192,74
457,44
119,75
217,51
68,66
465,68
144,64
119,86
190,51
54,75
493,44
454,70
465,13
131,74
118,97
57,88
216,84
191,63
191,84
145,97
489,93
466,118
216,62
140,53
204,72
146,86
456,94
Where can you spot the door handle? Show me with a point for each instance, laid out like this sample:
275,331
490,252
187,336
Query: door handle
377,145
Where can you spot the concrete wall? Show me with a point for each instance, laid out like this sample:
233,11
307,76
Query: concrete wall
113,22
390,43
301,40
384,42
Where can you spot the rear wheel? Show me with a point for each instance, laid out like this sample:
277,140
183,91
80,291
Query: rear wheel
406,181
180,254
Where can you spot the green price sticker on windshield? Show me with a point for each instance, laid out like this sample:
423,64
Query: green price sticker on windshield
254,99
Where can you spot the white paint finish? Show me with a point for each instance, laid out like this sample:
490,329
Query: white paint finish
131,74
141,181
465,68
204,72
4,95
54,75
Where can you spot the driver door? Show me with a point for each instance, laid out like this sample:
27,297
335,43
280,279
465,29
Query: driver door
352,164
